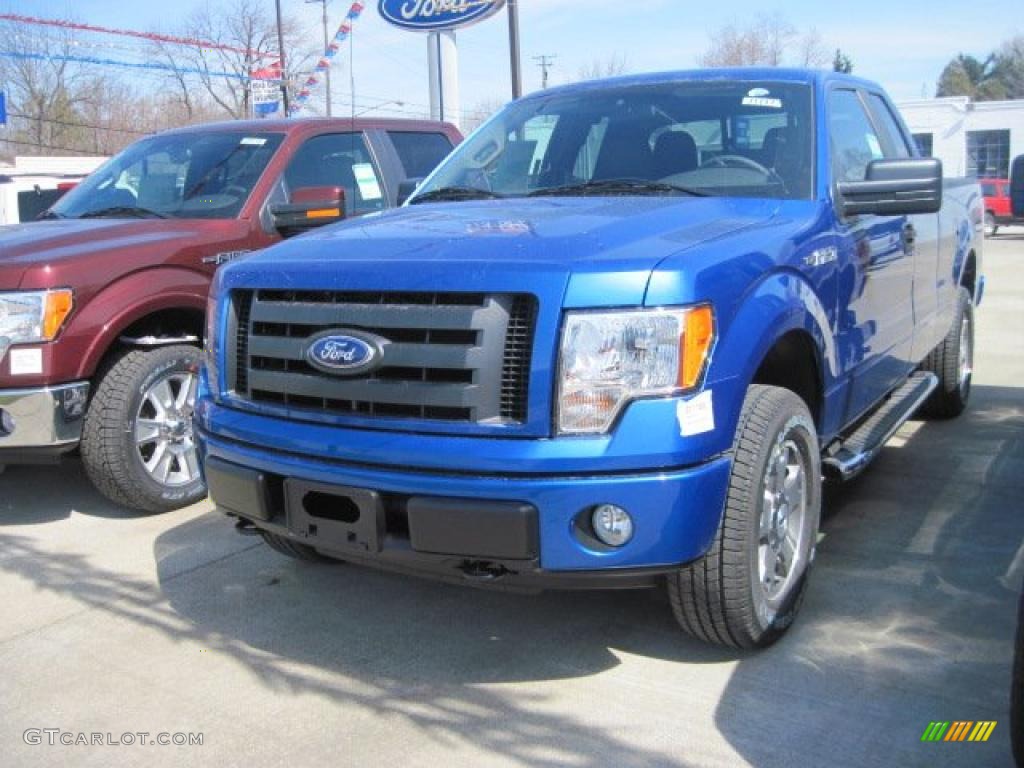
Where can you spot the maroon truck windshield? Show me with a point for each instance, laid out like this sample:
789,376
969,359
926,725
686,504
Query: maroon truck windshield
189,175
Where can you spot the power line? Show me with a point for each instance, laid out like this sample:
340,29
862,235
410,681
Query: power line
77,150
545,62
73,124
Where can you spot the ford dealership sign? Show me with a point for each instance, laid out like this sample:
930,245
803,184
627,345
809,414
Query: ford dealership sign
428,15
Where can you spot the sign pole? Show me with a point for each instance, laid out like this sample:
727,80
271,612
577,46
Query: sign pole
284,69
513,46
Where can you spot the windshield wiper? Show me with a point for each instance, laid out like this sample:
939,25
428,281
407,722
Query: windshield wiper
454,193
130,211
619,187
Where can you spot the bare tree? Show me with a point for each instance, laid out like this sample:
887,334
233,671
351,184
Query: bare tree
811,50
245,35
479,114
611,66
765,41
778,36
43,90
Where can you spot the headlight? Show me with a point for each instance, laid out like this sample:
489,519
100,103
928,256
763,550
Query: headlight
33,316
610,358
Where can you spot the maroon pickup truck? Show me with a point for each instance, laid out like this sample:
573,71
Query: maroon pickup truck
102,302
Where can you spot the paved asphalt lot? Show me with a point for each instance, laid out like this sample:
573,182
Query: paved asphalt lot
112,622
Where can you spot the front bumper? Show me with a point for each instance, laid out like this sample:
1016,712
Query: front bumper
41,423
676,512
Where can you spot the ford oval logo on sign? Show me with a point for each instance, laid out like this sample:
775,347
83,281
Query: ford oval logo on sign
437,14
345,353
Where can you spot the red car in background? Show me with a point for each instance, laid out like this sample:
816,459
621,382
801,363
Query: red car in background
998,212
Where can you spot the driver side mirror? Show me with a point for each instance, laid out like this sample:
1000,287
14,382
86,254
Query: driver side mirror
310,207
894,188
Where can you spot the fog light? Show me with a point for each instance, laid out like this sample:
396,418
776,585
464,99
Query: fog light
6,423
612,525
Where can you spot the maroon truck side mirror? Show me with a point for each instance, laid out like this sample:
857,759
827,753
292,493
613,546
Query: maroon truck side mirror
308,208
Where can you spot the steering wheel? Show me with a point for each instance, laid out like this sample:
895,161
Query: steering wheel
737,161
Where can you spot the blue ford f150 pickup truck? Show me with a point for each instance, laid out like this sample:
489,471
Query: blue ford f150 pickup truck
615,340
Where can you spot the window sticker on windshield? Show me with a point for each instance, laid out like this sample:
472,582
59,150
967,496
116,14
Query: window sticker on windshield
762,101
367,181
252,141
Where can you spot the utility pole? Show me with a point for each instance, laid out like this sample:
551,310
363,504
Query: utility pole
545,62
513,48
327,72
284,68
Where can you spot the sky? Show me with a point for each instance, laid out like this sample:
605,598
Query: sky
902,44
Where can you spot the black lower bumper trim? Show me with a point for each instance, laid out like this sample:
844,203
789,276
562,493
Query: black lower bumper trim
396,555
480,542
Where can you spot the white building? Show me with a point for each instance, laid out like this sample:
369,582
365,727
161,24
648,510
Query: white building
971,138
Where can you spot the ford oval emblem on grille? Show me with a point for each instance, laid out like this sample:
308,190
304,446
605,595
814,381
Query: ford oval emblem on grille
345,353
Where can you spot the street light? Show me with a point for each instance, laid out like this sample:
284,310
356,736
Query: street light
380,106
327,72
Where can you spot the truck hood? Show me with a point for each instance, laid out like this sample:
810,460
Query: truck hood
606,246
52,243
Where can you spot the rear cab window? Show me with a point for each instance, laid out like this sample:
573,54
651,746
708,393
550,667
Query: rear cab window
420,152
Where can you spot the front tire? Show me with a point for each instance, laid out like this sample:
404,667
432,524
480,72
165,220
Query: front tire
953,362
137,442
746,591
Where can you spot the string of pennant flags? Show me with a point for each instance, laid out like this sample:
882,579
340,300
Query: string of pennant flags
325,61
151,36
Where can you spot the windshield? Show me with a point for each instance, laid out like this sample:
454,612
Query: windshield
719,138
183,176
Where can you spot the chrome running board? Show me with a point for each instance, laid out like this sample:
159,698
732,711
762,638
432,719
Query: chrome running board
856,451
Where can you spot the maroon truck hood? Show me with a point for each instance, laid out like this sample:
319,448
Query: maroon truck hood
84,246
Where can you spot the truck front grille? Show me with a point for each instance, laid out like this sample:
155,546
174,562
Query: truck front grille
454,357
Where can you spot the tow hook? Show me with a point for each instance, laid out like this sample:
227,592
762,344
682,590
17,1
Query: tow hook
246,528
482,570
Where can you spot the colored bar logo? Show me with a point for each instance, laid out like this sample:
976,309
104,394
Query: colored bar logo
958,730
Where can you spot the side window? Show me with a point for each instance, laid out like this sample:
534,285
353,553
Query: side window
338,160
853,138
420,153
895,143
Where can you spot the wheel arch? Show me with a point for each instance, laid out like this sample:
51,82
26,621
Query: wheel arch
177,308
781,336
